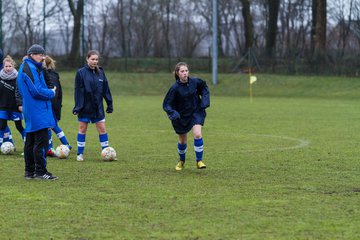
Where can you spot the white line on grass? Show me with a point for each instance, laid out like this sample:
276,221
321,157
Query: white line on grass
301,143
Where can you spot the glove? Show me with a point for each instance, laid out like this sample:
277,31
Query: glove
109,109
175,115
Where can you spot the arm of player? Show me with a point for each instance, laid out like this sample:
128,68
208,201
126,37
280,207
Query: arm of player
168,105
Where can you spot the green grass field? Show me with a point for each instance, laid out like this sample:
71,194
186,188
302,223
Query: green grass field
285,166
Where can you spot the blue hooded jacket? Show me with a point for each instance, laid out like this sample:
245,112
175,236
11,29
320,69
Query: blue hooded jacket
91,87
185,103
36,97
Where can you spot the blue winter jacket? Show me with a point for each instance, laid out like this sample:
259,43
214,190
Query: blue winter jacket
90,89
36,97
184,99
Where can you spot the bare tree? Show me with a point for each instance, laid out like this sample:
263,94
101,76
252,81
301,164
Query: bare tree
159,35
121,14
144,28
28,30
105,33
27,24
49,10
248,24
77,13
166,27
188,36
342,14
230,27
100,34
12,37
122,34
63,18
203,8
355,27
294,25
271,33
162,45
320,30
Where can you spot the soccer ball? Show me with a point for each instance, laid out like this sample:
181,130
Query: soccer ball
7,148
62,151
108,154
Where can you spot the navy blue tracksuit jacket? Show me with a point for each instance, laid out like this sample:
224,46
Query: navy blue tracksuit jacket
90,89
185,104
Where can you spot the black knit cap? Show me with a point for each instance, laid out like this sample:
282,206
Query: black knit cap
36,49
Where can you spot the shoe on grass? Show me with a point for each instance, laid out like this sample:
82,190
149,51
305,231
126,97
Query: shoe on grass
200,164
29,175
180,165
80,157
51,152
46,176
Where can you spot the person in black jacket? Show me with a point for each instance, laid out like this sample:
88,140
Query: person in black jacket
52,79
185,105
91,87
8,107
6,133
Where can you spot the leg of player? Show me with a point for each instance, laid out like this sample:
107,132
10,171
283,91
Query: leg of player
3,125
20,128
198,146
182,151
8,135
50,151
103,136
61,135
81,137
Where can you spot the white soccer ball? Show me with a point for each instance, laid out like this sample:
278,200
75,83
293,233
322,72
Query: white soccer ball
62,151
7,148
108,154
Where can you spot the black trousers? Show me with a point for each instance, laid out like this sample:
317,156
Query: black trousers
36,145
18,124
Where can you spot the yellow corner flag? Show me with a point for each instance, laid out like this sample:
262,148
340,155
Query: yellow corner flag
252,79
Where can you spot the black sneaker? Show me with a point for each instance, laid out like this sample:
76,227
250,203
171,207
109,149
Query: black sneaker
29,175
46,176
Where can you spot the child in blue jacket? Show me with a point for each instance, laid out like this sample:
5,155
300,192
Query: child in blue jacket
185,105
91,87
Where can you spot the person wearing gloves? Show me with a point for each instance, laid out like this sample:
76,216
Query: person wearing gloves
185,105
91,87
36,107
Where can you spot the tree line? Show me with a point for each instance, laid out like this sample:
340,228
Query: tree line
279,32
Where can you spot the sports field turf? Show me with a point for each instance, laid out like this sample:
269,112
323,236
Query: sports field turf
285,166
